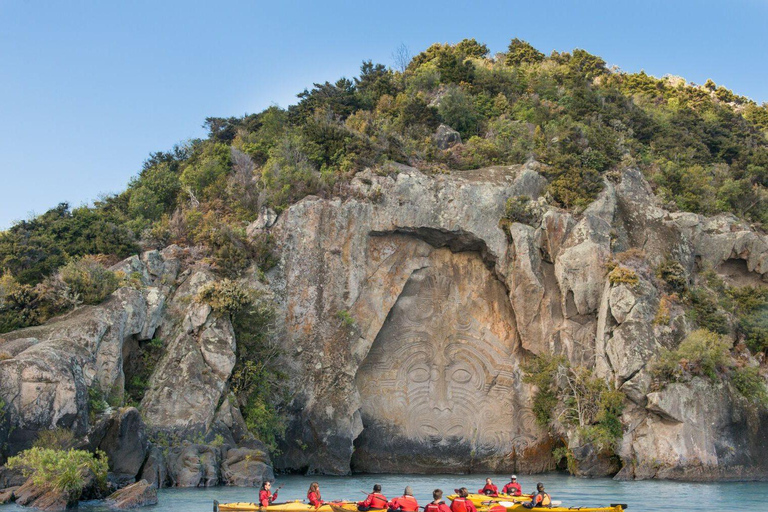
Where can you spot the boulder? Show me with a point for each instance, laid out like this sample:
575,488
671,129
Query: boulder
194,465
125,443
7,495
246,467
446,137
139,494
155,471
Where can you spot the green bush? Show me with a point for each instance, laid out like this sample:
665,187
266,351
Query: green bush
137,383
578,399
518,209
623,275
706,312
63,471
702,353
256,381
58,439
673,273
457,110
89,279
751,385
225,296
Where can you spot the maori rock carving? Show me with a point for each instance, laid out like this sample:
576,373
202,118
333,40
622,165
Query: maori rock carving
444,369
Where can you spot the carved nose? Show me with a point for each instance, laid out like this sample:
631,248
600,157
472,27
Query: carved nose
442,400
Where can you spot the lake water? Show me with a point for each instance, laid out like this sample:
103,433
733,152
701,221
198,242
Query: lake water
645,496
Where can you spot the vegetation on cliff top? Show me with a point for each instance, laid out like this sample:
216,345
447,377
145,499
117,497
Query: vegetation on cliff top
703,147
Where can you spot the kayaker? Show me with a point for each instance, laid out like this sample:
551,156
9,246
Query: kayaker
265,497
512,488
313,495
489,489
462,503
539,498
375,500
405,503
437,505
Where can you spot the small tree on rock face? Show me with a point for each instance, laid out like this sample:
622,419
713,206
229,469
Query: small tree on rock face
520,52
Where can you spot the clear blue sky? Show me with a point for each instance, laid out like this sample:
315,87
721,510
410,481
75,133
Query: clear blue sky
89,89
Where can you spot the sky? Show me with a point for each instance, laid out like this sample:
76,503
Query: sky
89,89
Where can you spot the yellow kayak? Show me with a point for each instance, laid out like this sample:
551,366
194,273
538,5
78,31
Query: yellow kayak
288,506
518,507
480,500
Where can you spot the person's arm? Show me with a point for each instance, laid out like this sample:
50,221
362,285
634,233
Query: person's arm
264,498
518,490
471,506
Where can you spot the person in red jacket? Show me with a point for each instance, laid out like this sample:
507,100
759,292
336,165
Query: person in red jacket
405,503
437,505
375,500
512,488
313,495
489,489
265,497
462,503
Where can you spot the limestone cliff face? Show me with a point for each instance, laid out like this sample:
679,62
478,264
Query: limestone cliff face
406,314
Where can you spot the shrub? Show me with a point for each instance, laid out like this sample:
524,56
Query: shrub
225,296
705,311
96,402
702,353
458,111
58,439
751,385
754,328
89,279
518,209
63,471
136,385
579,398
623,275
256,381
673,273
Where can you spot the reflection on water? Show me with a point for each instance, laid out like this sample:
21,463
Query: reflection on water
647,496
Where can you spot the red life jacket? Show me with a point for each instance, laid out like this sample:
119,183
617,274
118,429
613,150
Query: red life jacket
460,505
405,503
377,500
432,507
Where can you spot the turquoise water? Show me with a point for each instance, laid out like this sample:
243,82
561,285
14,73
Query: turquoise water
646,496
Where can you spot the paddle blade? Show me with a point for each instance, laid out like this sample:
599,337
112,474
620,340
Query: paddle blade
623,506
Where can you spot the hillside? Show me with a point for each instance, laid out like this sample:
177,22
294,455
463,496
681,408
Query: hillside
527,261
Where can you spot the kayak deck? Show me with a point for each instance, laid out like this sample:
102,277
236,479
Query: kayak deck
288,506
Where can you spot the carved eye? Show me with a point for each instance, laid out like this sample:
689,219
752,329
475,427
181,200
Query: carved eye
461,376
418,374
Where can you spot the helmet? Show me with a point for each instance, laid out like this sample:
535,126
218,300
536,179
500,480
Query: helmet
514,477
539,486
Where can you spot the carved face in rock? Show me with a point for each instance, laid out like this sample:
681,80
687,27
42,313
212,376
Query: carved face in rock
443,367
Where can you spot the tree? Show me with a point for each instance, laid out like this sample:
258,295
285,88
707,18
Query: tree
401,57
520,52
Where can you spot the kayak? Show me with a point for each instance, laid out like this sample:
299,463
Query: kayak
288,506
480,500
508,506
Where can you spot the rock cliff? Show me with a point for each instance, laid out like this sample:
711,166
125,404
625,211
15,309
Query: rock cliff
406,314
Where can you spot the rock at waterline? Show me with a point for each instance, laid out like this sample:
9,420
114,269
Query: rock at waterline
140,494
